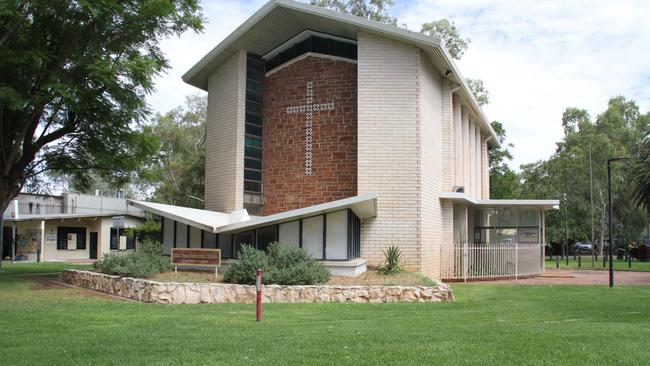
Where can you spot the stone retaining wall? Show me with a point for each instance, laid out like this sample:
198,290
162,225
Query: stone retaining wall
216,293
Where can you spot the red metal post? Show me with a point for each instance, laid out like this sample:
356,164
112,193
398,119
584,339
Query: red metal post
258,287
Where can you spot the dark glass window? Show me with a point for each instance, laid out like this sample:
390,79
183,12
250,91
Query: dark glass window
266,236
115,239
253,152
253,141
252,186
63,234
238,240
254,91
254,119
314,44
252,175
253,164
253,130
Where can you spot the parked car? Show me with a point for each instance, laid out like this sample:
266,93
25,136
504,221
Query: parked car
582,246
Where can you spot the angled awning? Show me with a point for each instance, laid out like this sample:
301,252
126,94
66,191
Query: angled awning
364,206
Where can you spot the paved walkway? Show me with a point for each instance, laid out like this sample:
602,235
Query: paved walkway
580,277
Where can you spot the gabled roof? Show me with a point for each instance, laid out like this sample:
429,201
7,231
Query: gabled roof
280,20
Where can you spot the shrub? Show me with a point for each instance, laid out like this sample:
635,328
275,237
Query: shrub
283,265
290,265
150,246
393,262
244,269
144,262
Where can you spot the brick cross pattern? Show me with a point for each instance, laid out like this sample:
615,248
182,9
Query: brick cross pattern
309,110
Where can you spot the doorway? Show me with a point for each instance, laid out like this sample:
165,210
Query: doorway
93,245
7,243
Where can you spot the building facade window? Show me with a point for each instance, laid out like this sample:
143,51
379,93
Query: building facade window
315,44
70,238
254,125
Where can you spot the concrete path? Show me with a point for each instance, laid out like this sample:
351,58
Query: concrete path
580,277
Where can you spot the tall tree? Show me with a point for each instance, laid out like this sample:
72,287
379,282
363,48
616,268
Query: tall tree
504,182
640,173
370,9
177,172
448,34
73,80
615,132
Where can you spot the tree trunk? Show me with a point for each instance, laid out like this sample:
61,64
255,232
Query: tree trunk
6,196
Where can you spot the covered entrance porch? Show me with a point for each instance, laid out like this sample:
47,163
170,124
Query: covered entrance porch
496,238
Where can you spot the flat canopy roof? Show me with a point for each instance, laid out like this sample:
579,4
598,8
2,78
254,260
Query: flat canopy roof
280,20
364,206
68,216
464,198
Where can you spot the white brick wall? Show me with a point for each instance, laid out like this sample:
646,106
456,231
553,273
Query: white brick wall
224,142
485,168
388,146
436,141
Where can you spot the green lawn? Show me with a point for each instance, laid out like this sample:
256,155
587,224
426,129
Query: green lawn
46,267
487,325
619,265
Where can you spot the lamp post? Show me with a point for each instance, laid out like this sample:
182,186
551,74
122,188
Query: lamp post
566,229
611,213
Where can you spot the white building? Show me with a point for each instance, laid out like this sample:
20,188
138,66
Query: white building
72,226
346,136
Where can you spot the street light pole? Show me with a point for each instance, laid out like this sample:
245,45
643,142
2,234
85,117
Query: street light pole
611,214
566,229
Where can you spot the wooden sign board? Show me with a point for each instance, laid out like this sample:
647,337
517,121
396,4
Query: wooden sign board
196,258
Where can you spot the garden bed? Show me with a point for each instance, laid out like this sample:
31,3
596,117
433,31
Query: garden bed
217,293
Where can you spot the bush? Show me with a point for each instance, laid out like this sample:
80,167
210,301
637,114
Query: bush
144,262
244,269
290,265
393,262
283,265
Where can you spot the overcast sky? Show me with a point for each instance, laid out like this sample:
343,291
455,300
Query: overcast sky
535,57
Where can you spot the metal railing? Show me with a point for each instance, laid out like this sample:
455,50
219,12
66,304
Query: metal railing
478,261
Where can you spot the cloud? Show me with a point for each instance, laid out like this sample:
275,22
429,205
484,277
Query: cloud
535,57
539,57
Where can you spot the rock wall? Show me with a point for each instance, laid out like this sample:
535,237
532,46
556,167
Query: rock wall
215,293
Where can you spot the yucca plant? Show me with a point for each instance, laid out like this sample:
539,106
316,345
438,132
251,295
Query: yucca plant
393,262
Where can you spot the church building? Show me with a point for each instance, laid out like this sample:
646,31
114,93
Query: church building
346,136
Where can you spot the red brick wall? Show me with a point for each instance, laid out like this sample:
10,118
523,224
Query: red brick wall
334,162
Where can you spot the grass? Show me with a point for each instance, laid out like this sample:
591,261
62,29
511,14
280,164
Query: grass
45,267
487,325
619,264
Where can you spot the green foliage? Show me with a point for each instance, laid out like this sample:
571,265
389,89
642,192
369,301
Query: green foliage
150,247
480,91
376,10
290,265
73,81
282,265
177,171
144,262
448,34
615,132
640,174
393,261
504,182
150,225
244,269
